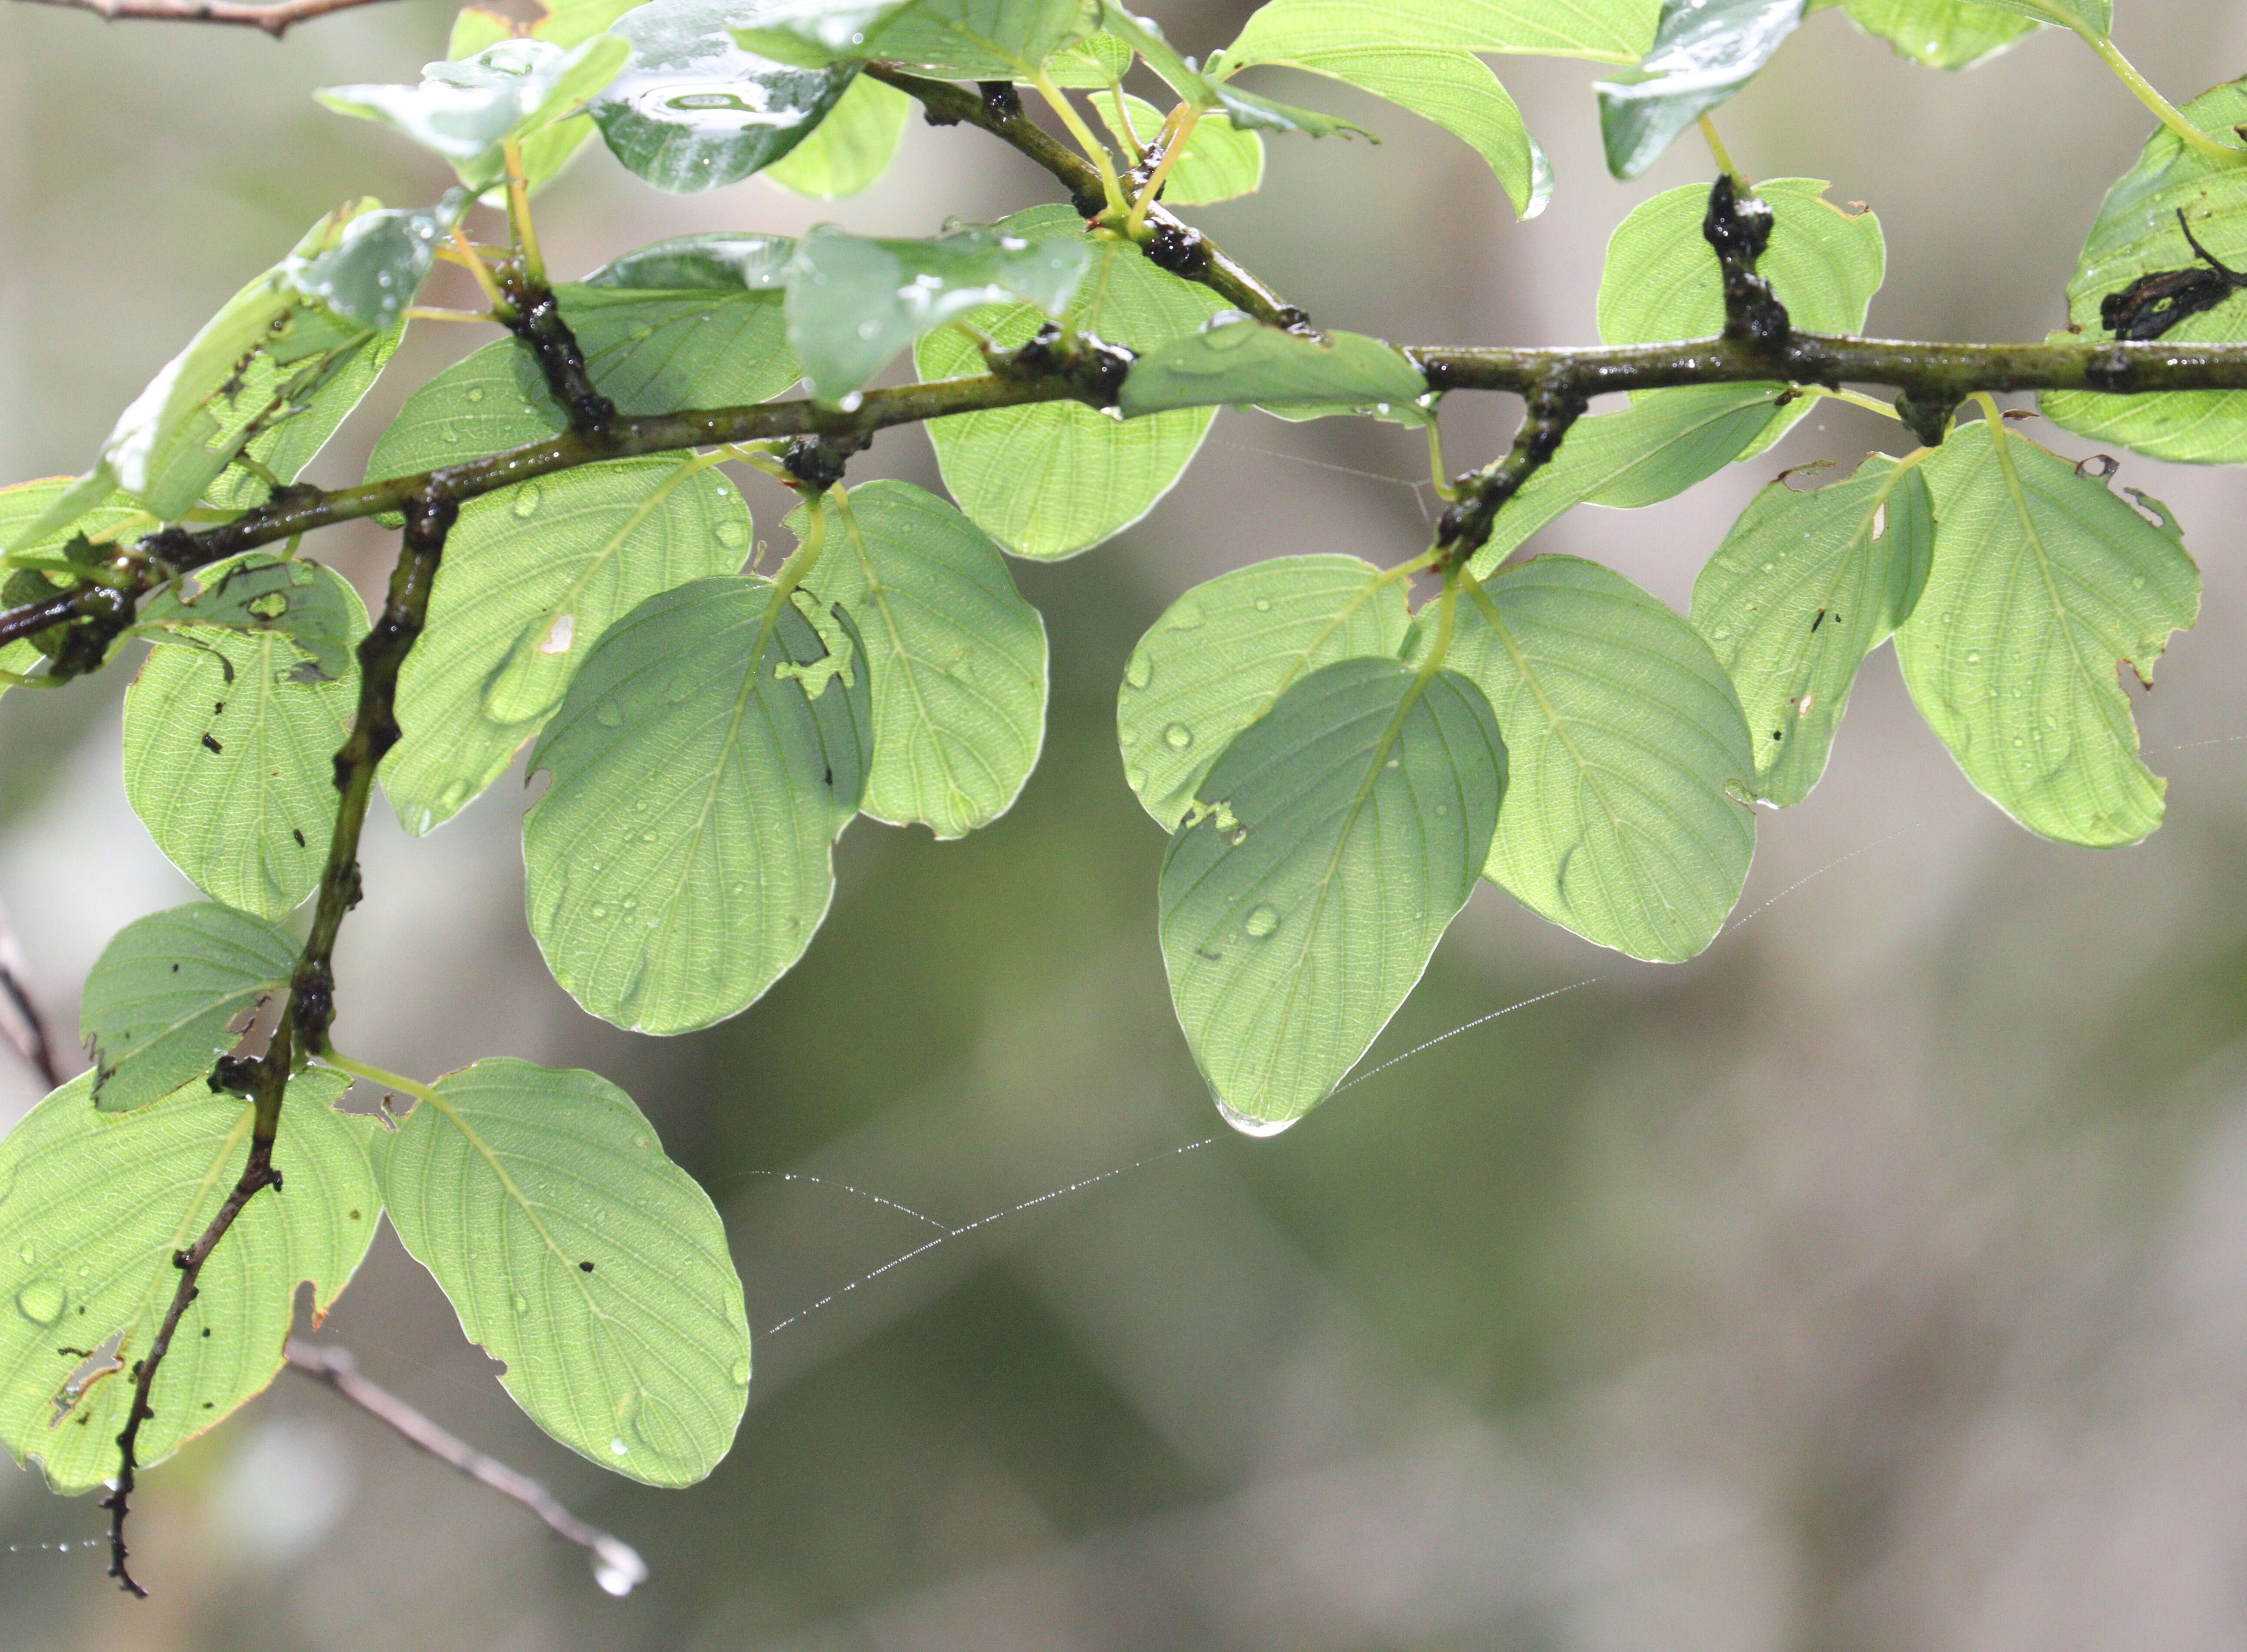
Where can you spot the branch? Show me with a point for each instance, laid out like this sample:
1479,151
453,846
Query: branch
29,1037
1168,241
276,19
264,1080
617,1564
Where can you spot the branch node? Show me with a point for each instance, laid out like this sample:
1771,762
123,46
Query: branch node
817,461
1738,228
1926,414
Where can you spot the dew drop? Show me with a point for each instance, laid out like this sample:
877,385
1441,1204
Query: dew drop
1141,670
522,1303
560,635
1136,779
731,533
526,499
1177,737
475,392
1185,615
617,1447
454,794
42,1302
1262,920
613,1579
607,715
741,1372
450,431
1263,605
1973,657
1126,735
1250,1126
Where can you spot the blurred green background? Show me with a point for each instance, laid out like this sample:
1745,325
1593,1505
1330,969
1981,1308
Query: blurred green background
1877,1281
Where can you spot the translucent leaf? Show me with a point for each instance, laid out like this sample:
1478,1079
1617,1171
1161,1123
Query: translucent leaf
1100,59
958,39
1626,815
2043,580
25,504
161,997
718,263
465,110
2137,235
691,111
1704,51
1338,836
232,732
1454,89
957,657
650,351
94,1207
854,304
1245,110
1217,164
264,357
581,1257
1240,361
533,578
1943,34
1049,481
852,147
259,594
1223,653
1803,588
1608,30
1633,458
681,859
293,437
1663,282
2096,16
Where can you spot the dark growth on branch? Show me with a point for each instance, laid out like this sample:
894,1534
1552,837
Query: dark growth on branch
2149,306
1739,227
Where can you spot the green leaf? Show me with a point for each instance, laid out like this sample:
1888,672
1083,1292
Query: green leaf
230,733
958,39
1049,481
2137,235
719,264
1607,31
25,504
1453,88
2043,580
260,360
1943,34
292,438
1661,282
691,110
581,1257
1335,840
160,997
465,110
258,595
532,579
2096,17
853,304
1638,456
1803,588
1245,110
1236,360
957,657
649,352
852,147
1627,817
1217,163
1096,61
681,859
1221,656
1704,52
94,1207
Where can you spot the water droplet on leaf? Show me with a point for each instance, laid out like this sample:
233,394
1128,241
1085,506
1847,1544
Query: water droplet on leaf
1248,1125
42,1302
1262,920
1177,737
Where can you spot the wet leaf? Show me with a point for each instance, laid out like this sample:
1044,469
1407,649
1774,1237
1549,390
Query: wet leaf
1239,361
1704,51
852,148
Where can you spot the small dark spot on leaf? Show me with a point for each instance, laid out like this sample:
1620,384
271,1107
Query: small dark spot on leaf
1779,734
297,832
354,1216
585,1267
1821,620
211,745
206,1330
218,707
175,969
208,1404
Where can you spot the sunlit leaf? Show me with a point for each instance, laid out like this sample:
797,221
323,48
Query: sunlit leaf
681,859
1245,110
294,437
1704,51
532,578
691,111
1803,588
852,148
1049,481
1223,653
586,1262
2137,235
465,110
1607,31
1217,164
957,657
232,727
1944,34
960,39
2043,582
853,304
94,1207
1338,836
1627,817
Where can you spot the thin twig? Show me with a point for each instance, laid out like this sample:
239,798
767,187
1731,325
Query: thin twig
26,1030
276,19
617,1564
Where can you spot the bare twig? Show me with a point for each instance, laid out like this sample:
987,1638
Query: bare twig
25,1028
276,19
617,1564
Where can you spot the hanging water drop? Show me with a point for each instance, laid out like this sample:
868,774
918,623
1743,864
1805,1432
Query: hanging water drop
1248,1125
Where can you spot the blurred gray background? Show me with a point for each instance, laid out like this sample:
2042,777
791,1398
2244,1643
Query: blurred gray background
1878,1280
